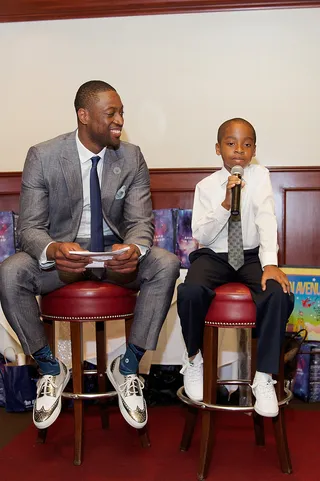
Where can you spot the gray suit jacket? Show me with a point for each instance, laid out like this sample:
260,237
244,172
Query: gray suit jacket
51,199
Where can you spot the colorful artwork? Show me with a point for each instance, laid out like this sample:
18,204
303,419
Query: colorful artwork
164,232
185,243
305,285
7,247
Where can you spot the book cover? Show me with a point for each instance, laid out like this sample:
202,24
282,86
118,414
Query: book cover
314,373
15,232
301,379
7,246
185,243
305,285
164,231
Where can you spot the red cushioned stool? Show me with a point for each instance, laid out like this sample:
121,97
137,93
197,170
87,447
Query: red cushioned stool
88,301
231,307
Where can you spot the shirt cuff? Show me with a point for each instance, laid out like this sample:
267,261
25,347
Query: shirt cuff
143,250
268,259
43,261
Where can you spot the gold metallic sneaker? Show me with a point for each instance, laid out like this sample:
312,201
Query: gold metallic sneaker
131,401
47,405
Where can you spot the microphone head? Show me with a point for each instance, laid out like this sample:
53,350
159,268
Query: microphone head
237,170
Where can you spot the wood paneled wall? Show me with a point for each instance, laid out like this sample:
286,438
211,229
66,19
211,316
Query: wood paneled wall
26,10
297,198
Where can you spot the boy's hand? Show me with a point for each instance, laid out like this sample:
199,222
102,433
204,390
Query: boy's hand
232,181
273,272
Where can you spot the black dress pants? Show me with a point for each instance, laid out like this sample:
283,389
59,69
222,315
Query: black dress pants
210,270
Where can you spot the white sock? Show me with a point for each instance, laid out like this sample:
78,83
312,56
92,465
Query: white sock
197,359
262,376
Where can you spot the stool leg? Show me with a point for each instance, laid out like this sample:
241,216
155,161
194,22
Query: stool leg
210,361
143,433
127,325
101,371
144,437
258,421
190,423
77,375
49,327
279,424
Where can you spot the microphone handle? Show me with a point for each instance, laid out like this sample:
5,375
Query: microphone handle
235,199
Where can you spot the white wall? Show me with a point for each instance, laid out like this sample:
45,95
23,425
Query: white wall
179,77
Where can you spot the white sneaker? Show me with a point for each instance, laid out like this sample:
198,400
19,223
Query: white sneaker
266,399
47,405
193,376
131,401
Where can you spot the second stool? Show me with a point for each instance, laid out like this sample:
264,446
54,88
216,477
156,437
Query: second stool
232,307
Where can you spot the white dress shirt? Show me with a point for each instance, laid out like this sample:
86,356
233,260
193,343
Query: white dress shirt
84,231
258,220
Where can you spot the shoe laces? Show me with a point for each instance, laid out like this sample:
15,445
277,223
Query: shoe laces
194,370
132,386
47,386
265,387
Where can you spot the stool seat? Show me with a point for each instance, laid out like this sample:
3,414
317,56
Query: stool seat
232,306
88,301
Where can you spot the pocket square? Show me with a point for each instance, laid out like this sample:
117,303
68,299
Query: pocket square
121,193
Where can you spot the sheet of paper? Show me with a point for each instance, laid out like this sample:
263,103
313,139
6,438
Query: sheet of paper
99,257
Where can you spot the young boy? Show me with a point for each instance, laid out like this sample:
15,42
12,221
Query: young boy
215,263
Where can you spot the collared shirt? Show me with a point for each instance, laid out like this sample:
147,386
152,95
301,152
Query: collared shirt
85,162
258,220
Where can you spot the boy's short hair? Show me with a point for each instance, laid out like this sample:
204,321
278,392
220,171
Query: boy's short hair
226,124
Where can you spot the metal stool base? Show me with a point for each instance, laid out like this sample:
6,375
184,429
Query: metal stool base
221,407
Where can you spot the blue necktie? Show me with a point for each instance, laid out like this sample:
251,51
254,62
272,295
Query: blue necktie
97,244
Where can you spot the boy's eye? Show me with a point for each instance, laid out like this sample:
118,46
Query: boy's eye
247,145
230,143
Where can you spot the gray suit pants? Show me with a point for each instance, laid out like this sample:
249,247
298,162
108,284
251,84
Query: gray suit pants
21,280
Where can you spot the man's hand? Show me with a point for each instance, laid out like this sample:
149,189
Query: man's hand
59,252
273,272
124,263
232,181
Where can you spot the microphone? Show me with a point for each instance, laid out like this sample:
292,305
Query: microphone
236,191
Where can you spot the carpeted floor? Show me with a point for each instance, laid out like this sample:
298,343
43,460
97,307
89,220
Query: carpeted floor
12,424
116,454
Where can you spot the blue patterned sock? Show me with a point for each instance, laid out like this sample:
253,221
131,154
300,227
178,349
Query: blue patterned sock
130,360
48,365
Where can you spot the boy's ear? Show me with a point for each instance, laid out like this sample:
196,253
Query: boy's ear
218,152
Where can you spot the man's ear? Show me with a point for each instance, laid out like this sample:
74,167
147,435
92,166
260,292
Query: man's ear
218,152
83,115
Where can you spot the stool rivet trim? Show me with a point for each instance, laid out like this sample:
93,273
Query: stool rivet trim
231,324
90,318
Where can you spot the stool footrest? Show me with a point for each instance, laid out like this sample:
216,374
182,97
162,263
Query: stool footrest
221,407
73,395
237,382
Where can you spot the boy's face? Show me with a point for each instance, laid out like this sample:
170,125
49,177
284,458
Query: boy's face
237,145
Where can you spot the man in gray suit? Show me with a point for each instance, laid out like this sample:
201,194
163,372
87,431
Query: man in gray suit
87,190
